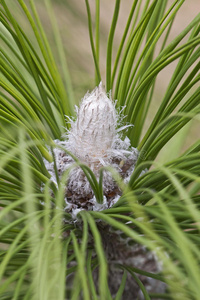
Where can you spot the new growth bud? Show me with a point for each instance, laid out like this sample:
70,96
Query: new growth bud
92,134
94,140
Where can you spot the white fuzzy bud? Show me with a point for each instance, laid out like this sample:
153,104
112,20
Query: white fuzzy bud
93,132
94,140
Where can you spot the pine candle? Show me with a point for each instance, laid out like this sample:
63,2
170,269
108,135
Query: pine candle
95,138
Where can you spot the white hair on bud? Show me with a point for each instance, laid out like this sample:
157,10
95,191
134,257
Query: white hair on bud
93,137
92,134
96,141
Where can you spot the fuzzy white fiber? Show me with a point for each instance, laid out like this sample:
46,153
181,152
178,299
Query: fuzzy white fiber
92,134
95,140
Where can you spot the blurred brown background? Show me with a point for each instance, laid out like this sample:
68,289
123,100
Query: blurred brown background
72,20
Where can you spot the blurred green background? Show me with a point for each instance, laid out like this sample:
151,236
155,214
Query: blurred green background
71,17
